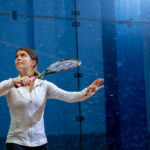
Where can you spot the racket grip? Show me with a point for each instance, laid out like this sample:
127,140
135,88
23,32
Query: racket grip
18,85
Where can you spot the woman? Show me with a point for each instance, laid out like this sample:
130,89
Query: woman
27,103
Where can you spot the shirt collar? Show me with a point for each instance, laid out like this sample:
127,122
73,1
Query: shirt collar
37,82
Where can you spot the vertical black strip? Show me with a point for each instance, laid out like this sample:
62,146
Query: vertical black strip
110,78
78,70
132,90
111,87
14,14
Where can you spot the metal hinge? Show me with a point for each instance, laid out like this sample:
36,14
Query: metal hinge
80,118
14,14
78,75
75,13
75,24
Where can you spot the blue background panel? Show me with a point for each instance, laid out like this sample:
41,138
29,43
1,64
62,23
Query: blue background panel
112,42
124,10
146,55
89,9
131,91
22,6
92,68
145,9
56,8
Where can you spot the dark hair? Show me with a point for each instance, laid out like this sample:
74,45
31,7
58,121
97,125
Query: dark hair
30,52
33,56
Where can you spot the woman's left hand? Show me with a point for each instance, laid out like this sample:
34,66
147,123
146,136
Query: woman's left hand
94,87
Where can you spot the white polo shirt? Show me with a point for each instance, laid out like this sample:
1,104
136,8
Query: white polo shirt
27,108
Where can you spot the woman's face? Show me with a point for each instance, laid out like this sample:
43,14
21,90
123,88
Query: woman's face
23,61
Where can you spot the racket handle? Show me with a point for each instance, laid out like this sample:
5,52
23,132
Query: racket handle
18,85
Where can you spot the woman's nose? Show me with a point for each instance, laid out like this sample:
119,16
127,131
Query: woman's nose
18,58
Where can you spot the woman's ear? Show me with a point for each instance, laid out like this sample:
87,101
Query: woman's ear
33,63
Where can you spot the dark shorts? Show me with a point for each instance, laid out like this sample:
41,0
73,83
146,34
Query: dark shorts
12,146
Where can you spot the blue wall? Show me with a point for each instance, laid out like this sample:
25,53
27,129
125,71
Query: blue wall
125,73
112,42
47,28
130,60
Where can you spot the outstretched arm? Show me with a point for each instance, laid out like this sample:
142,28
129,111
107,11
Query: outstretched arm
56,93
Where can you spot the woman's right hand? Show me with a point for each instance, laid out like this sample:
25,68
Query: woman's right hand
24,81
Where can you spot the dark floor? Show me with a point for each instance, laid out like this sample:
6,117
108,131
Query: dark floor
71,142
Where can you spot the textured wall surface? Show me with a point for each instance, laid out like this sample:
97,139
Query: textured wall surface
111,38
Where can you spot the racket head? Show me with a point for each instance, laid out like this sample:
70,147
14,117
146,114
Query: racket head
62,65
